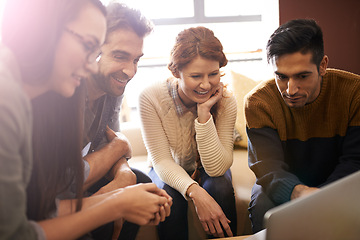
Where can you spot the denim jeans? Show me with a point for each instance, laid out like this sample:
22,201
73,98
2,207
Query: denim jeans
176,225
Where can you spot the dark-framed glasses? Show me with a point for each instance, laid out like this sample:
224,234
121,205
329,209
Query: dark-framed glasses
94,52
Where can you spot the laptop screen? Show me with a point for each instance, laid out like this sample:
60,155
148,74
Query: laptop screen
332,213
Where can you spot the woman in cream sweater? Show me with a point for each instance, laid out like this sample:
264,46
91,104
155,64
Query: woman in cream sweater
188,123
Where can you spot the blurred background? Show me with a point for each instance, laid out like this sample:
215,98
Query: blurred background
243,27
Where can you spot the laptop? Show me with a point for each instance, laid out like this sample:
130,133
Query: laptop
332,213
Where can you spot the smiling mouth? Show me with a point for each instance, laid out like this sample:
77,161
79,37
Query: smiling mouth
120,80
201,93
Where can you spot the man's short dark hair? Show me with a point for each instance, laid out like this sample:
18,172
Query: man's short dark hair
302,35
120,16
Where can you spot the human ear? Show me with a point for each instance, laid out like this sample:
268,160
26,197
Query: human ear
323,65
176,74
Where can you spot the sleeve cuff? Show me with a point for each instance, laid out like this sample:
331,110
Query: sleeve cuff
283,192
203,124
184,194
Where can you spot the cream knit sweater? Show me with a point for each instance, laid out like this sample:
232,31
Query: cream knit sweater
173,142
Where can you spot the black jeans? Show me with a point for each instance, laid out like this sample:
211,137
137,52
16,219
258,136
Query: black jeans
129,230
176,225
260,203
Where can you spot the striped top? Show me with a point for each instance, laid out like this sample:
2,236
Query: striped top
312,145
174,141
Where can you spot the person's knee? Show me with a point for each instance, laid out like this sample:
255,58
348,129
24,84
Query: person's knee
260,203
141,177
219,186
178,199
179,209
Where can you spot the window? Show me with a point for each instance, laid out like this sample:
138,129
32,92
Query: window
242,26
2,6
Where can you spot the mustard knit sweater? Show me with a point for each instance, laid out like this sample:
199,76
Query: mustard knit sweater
175,142
312,145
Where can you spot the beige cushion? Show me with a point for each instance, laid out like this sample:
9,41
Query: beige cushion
241,86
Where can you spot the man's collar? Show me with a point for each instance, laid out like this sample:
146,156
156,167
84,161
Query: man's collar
92,90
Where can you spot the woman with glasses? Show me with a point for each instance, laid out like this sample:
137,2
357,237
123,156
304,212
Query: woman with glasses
49,47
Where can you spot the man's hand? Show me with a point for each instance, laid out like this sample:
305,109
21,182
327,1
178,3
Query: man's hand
209,212
121,176
119,139
302,191
110,134
122,173
104,159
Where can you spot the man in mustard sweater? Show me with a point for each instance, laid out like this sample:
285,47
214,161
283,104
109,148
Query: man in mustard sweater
303,126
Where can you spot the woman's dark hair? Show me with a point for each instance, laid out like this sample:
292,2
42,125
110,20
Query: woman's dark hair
57,143
194,42
32,29
302,35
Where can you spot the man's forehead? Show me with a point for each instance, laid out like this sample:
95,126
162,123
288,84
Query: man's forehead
124,41
295,63
123,34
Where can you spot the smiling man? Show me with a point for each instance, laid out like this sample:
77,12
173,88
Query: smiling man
303,126
106,153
